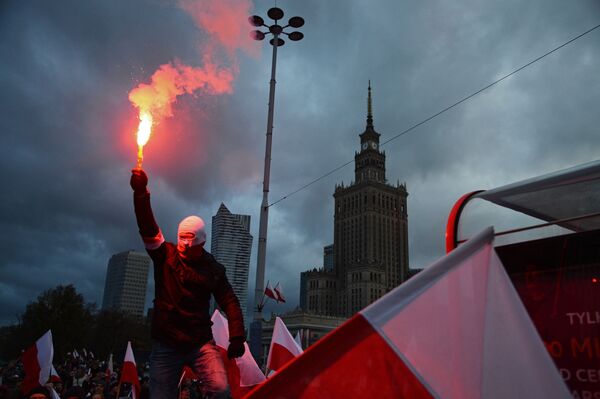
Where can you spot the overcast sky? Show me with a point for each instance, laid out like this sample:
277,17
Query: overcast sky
67,143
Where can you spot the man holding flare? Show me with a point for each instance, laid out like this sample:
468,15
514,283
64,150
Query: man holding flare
185,277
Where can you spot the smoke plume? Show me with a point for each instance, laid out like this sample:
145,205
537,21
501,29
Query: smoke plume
225,23
174,79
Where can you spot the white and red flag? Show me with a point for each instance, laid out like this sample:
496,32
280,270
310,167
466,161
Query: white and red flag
269,291
456,330
279,293
283,346
243,373
129,372
37,362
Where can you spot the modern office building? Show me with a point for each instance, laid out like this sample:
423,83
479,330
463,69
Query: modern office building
231,244
126,282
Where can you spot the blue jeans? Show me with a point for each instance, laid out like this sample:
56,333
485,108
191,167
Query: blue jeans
166,366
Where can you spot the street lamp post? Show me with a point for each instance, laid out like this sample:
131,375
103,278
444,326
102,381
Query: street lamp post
276,14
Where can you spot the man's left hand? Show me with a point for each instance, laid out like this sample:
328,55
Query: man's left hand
236,347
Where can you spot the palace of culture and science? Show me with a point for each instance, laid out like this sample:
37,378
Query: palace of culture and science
369,254
370,241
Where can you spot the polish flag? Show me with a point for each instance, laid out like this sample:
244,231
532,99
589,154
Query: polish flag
243,373
456,330
129,372
278,293
37,362
283,346
269,291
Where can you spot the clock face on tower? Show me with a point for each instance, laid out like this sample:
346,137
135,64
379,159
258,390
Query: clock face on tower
373,145
364,146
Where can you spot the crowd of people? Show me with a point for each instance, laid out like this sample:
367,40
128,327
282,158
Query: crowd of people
85,378
77,377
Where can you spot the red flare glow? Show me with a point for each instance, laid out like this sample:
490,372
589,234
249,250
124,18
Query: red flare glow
155,100
224,20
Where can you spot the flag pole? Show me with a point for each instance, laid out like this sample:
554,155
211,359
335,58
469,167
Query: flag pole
262,301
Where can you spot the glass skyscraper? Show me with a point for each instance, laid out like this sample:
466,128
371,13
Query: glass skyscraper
126,282
231,244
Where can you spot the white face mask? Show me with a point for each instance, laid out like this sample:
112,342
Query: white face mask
191,232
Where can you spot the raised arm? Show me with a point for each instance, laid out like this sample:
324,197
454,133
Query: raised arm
149,230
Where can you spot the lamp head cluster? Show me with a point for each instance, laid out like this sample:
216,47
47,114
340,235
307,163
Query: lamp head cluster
276,14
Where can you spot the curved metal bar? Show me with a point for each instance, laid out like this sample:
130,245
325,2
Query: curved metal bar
453,219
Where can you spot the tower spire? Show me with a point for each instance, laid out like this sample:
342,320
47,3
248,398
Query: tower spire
369,108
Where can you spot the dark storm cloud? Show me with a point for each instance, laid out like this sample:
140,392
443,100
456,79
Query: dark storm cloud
66,71
65,155
437,55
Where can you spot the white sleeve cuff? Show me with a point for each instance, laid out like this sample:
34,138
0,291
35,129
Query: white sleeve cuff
154,242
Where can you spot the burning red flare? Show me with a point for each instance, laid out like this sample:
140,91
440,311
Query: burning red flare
155,100
143,134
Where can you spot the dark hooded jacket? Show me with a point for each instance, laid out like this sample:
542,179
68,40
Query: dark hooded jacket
182,289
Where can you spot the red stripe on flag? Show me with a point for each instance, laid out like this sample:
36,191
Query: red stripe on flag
233,375
32,369
352,361
129,374
280,355
269,292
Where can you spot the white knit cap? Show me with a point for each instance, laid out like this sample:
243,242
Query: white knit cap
192,224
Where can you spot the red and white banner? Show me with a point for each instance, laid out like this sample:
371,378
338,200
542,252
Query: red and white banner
129,372
37,362
243,373
269,292
279,293
283,346
455,330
